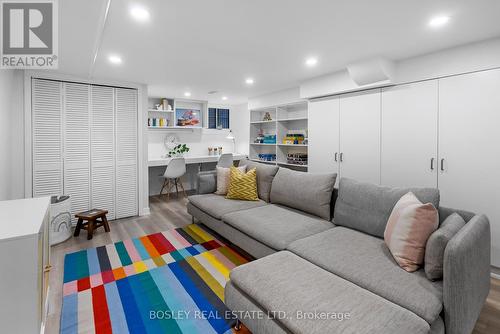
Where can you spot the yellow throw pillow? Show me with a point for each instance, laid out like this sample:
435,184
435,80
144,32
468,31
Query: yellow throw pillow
242,185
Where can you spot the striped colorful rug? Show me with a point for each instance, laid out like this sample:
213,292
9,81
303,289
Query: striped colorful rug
168,282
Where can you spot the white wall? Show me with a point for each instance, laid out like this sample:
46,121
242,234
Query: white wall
240,124
280,97
11,135
463,59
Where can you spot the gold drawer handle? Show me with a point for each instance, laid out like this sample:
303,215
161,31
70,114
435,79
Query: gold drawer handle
47,268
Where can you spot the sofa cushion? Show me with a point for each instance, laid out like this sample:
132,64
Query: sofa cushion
409,227
217,205
265,176
276,226
223,178
242,185
311,193
366,207
367,262
434,251
285,282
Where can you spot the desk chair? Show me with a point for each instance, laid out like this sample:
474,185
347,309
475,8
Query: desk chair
225,160
176,168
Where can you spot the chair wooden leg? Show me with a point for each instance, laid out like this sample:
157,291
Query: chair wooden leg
163,186
168,190
176,188
182,187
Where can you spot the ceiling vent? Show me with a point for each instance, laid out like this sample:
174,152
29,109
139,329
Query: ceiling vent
372,71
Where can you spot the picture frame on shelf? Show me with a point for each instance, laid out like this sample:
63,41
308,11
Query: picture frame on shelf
188,117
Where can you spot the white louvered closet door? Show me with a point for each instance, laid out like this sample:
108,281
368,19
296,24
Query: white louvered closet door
47,132
102,149
77,145
126,152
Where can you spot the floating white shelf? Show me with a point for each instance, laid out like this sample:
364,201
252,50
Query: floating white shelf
263,144
293,145
173,127
293,119
288,164
262,122
161,111
264,161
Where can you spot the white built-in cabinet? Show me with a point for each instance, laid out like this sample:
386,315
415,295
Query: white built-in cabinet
344,136
409,135
85,145
359,153
441,133
324,122
469,147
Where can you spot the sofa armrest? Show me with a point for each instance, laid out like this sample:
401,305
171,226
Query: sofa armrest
466,275
206,182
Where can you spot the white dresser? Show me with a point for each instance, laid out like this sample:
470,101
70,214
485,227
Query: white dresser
24,265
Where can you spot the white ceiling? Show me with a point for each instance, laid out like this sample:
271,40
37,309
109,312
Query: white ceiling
205,45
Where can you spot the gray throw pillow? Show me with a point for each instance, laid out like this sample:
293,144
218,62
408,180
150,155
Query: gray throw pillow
265,176
366,207
311,193
434,250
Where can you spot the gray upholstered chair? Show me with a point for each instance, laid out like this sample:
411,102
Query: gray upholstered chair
176,168
225,160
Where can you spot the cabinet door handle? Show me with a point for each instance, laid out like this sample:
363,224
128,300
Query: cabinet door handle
442,165
341,157
432,163
336,156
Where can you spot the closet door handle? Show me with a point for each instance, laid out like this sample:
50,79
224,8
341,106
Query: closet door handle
341,157
336,154
432,163
442,165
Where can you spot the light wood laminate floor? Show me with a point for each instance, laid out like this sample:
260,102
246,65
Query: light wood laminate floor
172,214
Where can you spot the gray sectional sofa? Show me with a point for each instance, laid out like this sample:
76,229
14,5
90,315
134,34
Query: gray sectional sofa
323,267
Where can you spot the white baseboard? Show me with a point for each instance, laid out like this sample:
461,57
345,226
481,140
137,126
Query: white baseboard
496,276
145,212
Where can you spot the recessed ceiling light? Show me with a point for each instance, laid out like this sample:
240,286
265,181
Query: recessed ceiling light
249,81
312,61
439,21
114,59
139,13
224,98
187,94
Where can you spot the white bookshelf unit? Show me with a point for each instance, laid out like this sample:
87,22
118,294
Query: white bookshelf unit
165,117
283,121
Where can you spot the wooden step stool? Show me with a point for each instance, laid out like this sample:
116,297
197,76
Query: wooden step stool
94,218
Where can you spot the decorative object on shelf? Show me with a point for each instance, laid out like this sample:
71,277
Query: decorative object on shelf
267,156
269,139
210,151
178,151
158,106
297,158
294,137
188,117
165,105
149,121
267,117
215,151
220,150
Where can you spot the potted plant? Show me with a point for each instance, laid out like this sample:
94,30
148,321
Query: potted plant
178,151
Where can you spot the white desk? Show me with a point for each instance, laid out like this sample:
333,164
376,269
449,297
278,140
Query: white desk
195,159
